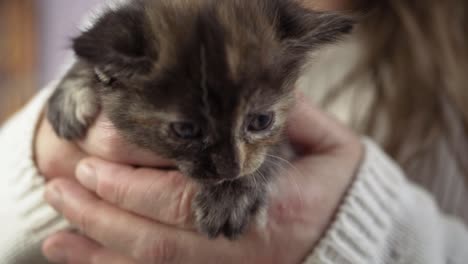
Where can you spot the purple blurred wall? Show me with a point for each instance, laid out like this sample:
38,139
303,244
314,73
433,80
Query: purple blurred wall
58,21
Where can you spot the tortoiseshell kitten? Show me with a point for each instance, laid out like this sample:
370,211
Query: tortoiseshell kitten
206,83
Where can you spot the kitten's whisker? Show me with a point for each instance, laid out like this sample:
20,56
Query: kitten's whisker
288,173
287,163
263,176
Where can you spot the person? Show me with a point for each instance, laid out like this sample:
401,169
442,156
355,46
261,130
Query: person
342,201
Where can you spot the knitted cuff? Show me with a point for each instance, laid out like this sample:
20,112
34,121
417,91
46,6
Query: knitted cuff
366,218
23,208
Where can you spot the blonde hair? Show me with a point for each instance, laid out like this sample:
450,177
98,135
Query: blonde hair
417,56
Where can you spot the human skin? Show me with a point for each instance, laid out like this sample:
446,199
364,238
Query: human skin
103,141
144,214
149,203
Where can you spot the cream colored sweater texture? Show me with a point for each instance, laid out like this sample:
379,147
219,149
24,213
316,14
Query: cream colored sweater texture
383,219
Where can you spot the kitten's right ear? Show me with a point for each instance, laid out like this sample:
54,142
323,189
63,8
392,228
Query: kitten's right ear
120,45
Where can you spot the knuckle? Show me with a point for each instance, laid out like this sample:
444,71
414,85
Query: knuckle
102,256
183,213
178,204
85,220
112,191
161,251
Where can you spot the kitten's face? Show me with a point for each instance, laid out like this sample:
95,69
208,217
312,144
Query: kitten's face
225,137
214,125
205,83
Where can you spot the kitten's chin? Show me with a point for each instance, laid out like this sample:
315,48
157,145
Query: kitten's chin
205,179
211,179
214,182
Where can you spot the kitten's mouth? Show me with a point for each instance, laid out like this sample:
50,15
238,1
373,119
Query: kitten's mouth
215,182
218,181
215,179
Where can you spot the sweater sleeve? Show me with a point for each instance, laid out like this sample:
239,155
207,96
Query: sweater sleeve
387,219
26,219
384,218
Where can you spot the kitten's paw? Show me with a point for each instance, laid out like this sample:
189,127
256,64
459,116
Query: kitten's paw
224,214
215,218
72,110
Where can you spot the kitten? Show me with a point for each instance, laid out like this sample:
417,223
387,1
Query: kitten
206,83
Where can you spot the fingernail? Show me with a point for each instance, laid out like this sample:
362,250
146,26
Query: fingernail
53,196
56,254
86,175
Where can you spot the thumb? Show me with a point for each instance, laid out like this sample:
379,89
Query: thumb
310,130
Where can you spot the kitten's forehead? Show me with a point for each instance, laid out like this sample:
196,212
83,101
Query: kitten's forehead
223,59
250,37
241,35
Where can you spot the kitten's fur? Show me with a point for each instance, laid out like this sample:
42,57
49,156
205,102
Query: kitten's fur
215,63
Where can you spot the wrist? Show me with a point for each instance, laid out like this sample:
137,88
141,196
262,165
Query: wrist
314,199
366,216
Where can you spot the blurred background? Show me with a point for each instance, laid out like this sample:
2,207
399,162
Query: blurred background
34,42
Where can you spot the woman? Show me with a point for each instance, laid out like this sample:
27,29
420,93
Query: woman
415,56
353,204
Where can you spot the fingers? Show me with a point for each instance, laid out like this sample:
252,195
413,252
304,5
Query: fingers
55,157
311,130
69,248
164,196
103,140
328,150
144,240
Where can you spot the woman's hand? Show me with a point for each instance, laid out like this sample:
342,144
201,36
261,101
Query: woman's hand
58,158
131,215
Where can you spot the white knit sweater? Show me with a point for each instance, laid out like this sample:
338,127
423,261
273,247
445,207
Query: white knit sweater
384,218
25,218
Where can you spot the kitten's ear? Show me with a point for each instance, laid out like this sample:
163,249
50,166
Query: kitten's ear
119,44
302,31
305,29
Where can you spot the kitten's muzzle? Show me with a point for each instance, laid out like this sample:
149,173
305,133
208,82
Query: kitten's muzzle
225,168
216,173
222,173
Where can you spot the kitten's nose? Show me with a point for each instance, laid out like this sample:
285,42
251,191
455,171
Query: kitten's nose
226,168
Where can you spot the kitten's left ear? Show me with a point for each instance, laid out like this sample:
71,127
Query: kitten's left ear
307,29
120,45
302,30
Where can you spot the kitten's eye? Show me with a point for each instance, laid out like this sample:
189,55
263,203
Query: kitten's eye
260,122
186,130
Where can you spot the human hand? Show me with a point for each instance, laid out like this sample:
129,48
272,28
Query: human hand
139,215
58,158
